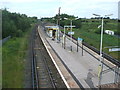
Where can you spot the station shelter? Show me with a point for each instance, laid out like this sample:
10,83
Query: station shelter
52,31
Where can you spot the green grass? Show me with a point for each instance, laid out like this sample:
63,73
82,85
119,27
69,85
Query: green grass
90,32
87,32
94,40
13,58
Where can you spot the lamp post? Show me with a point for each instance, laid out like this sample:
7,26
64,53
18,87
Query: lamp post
71,29
64,37
101,43
58,23
71,33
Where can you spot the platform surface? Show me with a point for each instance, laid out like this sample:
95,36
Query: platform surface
85,68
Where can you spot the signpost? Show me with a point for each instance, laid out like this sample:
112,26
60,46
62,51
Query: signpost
71,33
81,41
63,43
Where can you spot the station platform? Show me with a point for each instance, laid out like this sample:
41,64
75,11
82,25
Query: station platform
84,68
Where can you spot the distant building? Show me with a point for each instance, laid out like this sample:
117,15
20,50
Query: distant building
109,32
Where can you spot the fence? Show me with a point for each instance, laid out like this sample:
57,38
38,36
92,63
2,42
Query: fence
4,40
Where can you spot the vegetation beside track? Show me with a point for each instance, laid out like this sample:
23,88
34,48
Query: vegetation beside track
15,24
18,26
14,56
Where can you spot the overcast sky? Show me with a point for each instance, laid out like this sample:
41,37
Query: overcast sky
49,8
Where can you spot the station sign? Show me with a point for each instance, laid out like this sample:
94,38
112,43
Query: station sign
80,39
68,26
71,33
114,49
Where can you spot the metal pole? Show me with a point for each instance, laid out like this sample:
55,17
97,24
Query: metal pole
58,33
64,41
64,37
116,79
82,48
101,62
77,45
101,59
71,35
64,30
59,23
101,40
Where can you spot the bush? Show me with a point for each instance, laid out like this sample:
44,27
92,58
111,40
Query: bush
15,24
19,33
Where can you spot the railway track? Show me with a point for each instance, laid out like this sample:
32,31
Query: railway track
44,73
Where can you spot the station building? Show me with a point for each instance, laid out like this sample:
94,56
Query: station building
109,32
52,31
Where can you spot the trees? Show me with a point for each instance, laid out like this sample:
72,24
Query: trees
14,24
63,21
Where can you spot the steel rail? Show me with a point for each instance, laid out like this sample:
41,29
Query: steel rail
35,81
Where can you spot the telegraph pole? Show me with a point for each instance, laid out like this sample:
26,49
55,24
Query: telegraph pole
58,17
58,23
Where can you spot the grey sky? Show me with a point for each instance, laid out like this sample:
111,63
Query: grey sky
49,8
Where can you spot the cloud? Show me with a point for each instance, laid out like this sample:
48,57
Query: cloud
50,7
24,1
87,7
64,1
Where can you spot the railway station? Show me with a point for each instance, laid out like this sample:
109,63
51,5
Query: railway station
80,67
52,31
43,47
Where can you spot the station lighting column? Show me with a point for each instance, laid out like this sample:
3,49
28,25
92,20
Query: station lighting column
58,23
101,43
